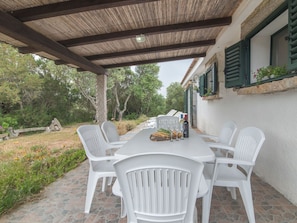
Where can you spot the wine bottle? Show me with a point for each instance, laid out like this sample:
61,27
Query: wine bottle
186,126
181,121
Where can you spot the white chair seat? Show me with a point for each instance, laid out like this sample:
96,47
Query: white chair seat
225,173
103,166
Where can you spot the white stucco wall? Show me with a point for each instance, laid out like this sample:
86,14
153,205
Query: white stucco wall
275,114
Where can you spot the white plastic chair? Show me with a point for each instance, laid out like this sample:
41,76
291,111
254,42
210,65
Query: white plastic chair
101,165
170,113
178,114
151,123
159,187
225,137
111,134
168,122
236,172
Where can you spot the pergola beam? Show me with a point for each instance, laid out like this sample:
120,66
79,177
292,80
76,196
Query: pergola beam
203,24
147,50
70,7
12,27
183,57
152,50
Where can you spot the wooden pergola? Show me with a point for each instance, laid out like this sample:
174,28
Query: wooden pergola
95,35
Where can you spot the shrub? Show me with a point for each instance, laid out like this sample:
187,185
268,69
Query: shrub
125,126
28,175
6,122
131,116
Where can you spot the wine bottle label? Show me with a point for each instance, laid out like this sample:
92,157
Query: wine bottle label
186,129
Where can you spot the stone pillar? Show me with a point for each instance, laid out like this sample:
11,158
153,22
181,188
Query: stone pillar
101,103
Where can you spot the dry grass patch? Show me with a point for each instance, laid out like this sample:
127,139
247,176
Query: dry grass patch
63,140
67,138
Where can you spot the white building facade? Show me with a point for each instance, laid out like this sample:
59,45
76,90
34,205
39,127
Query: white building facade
226,85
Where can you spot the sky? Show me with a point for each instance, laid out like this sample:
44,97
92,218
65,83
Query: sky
172,71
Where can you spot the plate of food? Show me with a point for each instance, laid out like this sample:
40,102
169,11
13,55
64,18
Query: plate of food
164,134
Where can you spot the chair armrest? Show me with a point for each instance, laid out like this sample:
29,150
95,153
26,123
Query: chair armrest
212,137
115,145
224,160
220,146
103,158
118,143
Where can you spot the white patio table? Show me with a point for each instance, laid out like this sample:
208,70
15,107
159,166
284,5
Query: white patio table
193,147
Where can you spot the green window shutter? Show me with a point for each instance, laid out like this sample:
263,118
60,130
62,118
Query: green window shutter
292,35
190,113
215,79
202,90
234,65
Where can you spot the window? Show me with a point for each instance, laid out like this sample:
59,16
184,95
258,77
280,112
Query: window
280,47
272,43
208,82
267,46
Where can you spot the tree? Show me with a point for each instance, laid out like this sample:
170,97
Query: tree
147,86
134,93
9,96
85,82
61,97
33,90
120,85
158,105
19,82
175,97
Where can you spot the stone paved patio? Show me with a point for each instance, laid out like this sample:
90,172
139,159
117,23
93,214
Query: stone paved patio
63,202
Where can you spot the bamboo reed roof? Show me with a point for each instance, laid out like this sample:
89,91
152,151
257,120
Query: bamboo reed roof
94,35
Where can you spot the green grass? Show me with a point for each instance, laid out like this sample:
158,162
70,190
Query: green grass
22,178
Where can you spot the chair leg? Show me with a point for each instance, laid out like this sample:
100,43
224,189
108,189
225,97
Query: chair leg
123,208
109,181
232,191
206,203
103,184
195,217
246,194
92,182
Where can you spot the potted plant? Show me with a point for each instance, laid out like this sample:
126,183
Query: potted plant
208,92
196,89
269,72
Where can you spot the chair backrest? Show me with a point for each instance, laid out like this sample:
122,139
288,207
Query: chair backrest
159,187
227,132
93,141
168,122
248,144
171,112
178,114
110,132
